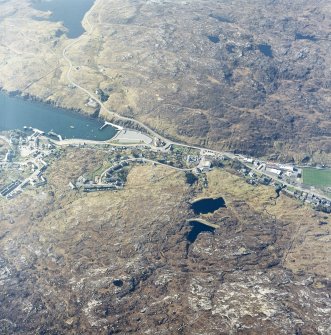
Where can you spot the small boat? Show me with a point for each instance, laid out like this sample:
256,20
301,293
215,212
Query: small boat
72,127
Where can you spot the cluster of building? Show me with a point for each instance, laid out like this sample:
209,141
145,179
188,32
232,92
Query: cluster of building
264,172
201,161
278,170
259,172
9,190
202,164
204,160
107,181
32,150
91,186
316,201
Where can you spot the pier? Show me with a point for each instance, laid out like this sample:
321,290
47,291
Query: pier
110,124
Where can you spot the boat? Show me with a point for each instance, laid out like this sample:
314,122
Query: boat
72,127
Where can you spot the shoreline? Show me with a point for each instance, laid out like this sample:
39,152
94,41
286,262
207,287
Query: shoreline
20,96
33,98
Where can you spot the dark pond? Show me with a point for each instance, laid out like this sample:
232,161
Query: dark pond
299,36
197,228
70,12
118,282
207,205
191,178
15,113
265,49
214,39
230,48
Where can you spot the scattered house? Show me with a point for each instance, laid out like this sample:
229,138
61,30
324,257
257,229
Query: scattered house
81,180
72,186
244,171
205,152
289,192
157,142
43,162
41,181
9,156
192,159
251,181
10,188
265,180
275,171
261,167
204,165
309,198
286,167
98,187
196,171
91,103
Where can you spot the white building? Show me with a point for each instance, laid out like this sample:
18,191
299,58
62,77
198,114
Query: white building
275,171
286,167
204,165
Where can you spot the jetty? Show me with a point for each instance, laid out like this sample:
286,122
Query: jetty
51,133
111,124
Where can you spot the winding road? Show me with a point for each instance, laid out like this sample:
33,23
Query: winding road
142,125
114,114
93,96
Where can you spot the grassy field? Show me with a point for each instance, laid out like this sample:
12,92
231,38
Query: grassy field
317,177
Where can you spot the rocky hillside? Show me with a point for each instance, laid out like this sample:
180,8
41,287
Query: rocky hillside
121,262
246,76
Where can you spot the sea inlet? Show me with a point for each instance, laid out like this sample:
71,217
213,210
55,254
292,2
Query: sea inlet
70,12
15,113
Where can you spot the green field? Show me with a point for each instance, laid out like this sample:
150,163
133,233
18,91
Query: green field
317,177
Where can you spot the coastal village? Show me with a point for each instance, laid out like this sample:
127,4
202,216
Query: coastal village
24,161
287,178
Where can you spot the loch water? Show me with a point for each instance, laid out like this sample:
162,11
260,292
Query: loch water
15,113
207,205
70,12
